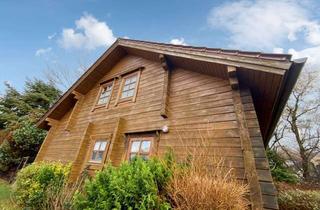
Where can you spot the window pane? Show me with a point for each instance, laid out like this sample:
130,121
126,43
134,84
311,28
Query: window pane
105,95
133,79
145,146
103,100
135,146
109,88
96,146
124,94
129,87
132,156
145,157
127,81
99,156
103,146
94,154
130,93
132,86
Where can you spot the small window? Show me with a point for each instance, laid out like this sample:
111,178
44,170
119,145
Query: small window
105,94
140,147
98,151
129,86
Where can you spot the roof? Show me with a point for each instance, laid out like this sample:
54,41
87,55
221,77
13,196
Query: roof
213,51
270,76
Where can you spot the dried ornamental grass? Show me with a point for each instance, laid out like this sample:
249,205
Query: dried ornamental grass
203,182
192,188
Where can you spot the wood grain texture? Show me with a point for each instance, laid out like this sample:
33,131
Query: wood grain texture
79,99
249,162
269,192
202,113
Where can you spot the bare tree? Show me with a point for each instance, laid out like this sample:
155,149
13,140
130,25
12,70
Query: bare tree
298,133
61,76
278,134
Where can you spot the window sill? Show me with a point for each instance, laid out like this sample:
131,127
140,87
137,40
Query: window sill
129,99
99,107
94,162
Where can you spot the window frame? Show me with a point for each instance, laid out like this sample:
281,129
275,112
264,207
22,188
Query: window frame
105,152
122,84
102,87
140,138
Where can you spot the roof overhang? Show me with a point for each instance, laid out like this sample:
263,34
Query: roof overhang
281,71
290,80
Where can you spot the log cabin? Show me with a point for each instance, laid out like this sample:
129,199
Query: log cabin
141,98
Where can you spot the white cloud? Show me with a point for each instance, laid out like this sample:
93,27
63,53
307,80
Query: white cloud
178,41
313,33
89,33
261,24
43,51
311,53
278,50
52,36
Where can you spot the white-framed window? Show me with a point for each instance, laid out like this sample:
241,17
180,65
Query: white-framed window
105,94
129,86
98,151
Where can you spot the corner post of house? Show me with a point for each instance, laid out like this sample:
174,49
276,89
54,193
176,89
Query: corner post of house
246,145
166,86
52,123
78,97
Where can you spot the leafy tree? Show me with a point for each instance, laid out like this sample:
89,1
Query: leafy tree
18,114
12,106
27,139
37,97
7,157
40,95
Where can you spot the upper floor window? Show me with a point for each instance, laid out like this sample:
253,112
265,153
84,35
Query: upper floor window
98,151
140,147
129,86
105,94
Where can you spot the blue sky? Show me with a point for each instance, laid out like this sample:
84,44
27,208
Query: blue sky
39,35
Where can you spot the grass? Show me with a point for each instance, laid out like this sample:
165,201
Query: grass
6,202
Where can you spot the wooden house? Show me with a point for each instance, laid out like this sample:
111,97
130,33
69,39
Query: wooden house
140,98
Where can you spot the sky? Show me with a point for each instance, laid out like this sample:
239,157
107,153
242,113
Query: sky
38,36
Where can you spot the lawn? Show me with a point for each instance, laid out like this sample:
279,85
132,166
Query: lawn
5,196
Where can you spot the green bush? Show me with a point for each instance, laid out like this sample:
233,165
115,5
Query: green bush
134,185
7,157
279,171
27,139
37,182
299,200
25,142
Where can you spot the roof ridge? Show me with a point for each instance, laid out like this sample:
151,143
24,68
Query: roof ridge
243,53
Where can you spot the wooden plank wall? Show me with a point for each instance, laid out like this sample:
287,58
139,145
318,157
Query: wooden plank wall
144,114
200,113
